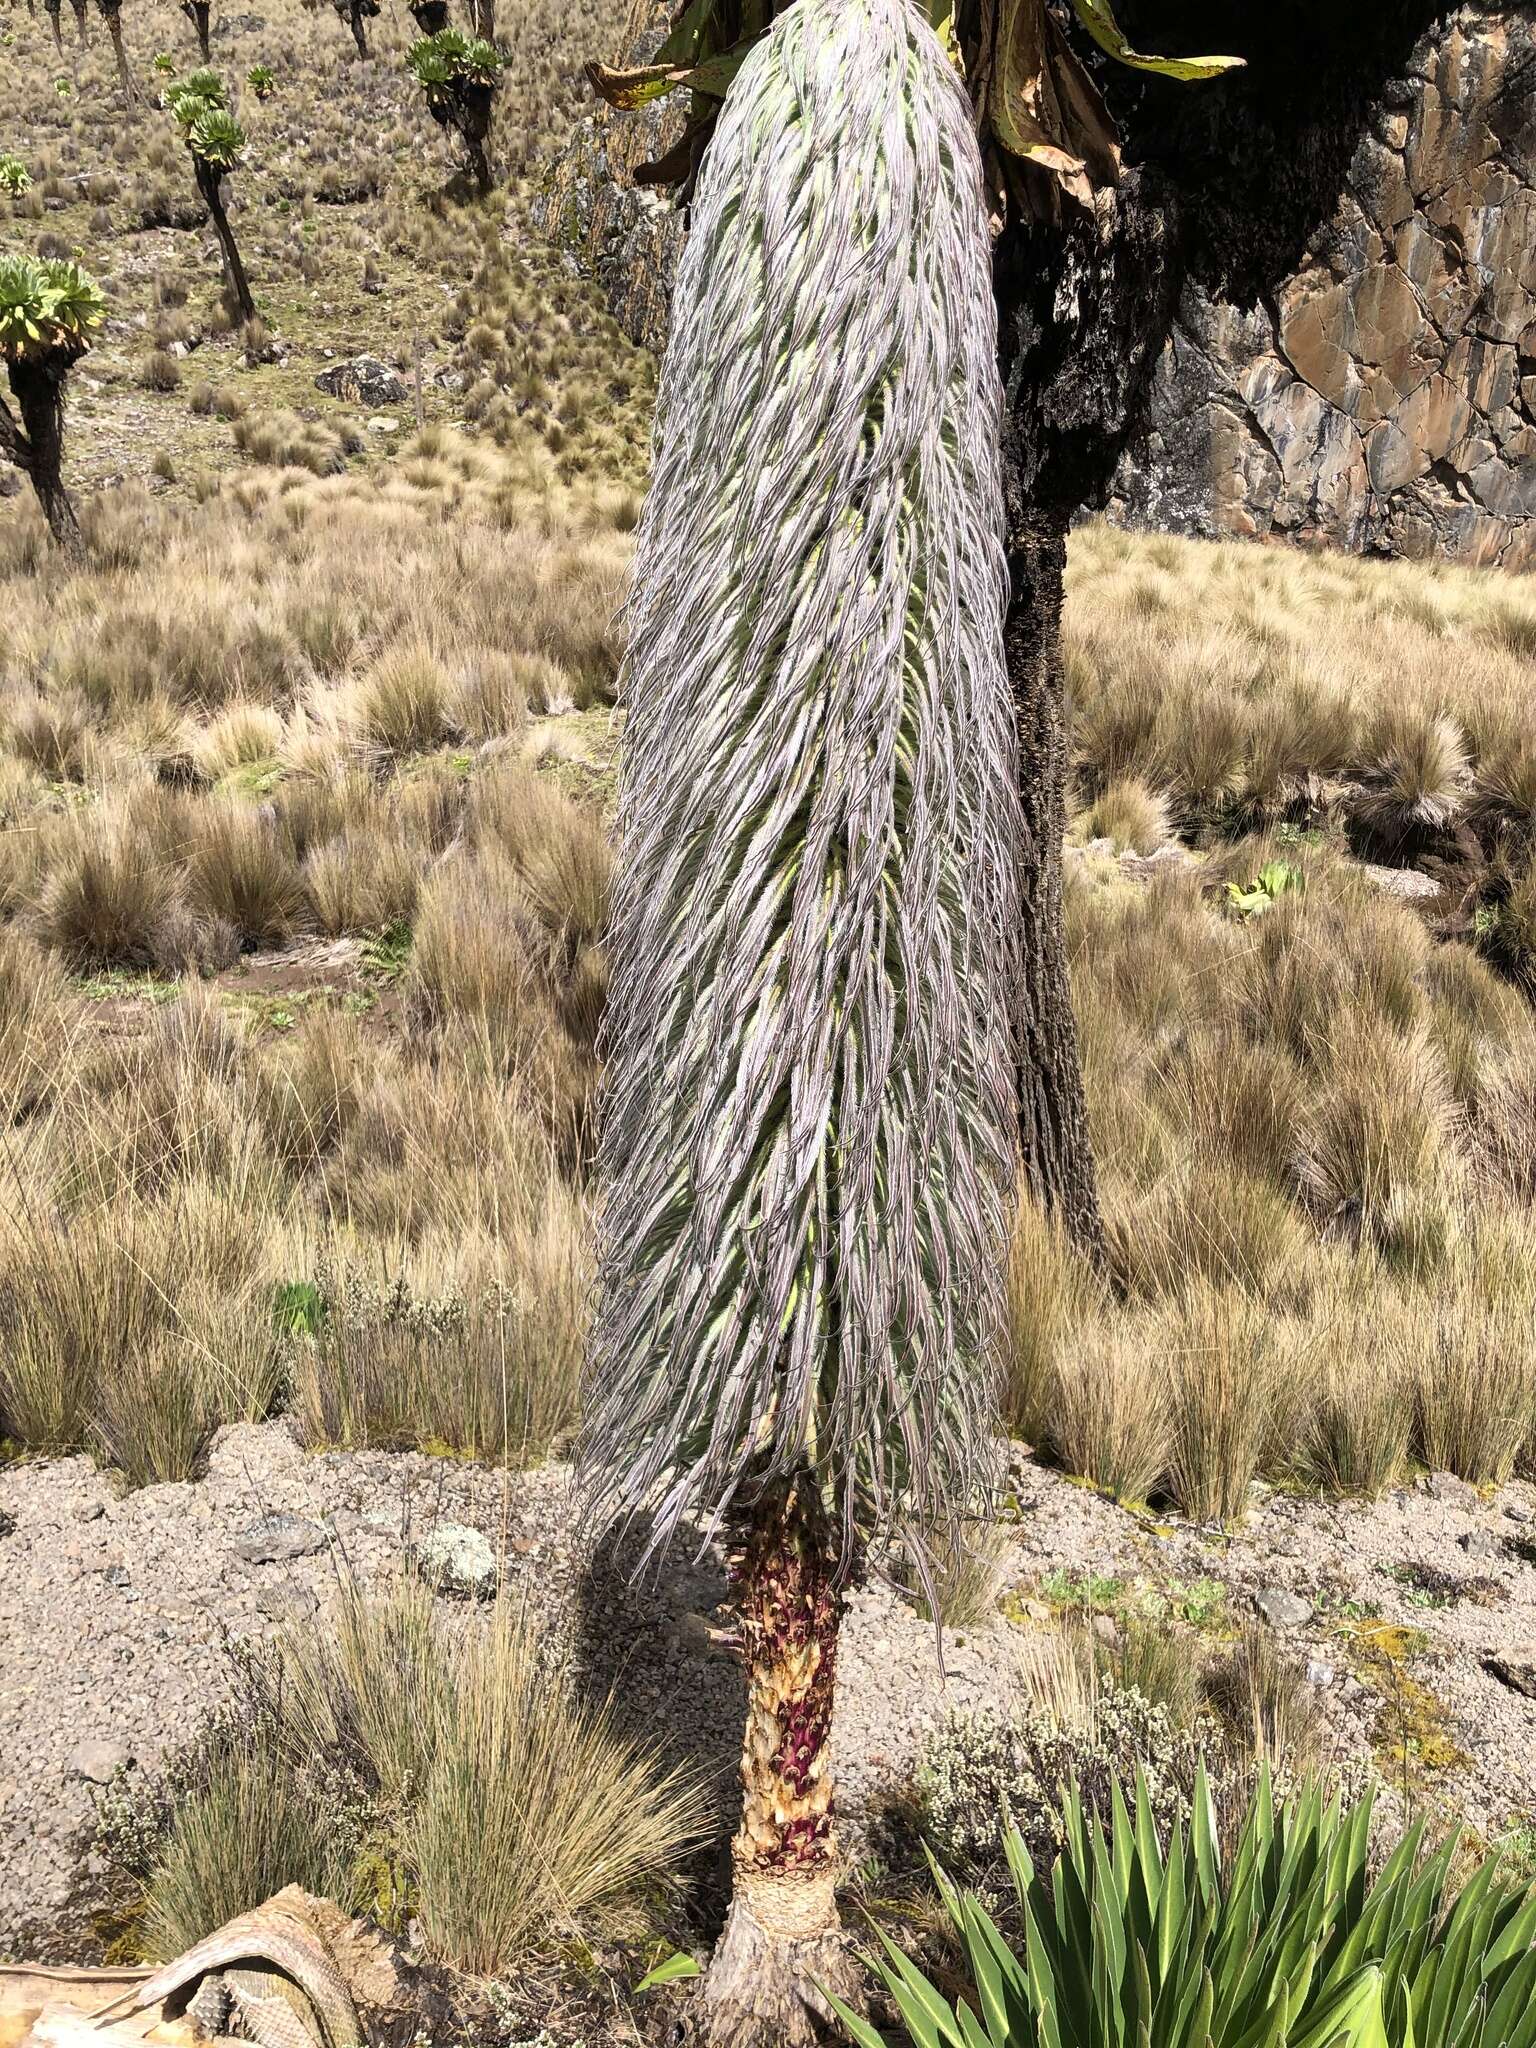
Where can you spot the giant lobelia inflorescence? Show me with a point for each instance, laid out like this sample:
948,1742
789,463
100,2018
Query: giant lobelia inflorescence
808,1132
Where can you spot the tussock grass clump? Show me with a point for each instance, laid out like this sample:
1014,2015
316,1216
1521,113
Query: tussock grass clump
1130,814
133,1329
239,870
284,441
534,1813
362,881
402,703
106,894
458,1755
232,1842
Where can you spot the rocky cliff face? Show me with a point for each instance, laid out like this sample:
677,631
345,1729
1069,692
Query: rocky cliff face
1382,397
1385,397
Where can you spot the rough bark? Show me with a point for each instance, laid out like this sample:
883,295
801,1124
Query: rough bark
1082,308
359,31
209,184
430,16
472,118
37,446
198,12
783,1936
53,9
112,12
1055,1152
80,30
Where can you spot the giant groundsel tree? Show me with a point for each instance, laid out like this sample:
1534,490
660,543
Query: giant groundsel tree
49,312
215,142
808,1138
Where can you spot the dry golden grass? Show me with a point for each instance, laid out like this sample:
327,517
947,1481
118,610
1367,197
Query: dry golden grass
1243,685
452,1760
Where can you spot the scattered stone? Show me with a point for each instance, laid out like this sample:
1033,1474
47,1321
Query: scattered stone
1319,1673
363,381
277,1538
1516,1513
287,1602
1478,1543
1282,1609
1104,1628
7,1524
381,423
1517,1667
457,1559
1408,884
89,1511
1447,1487
99,1762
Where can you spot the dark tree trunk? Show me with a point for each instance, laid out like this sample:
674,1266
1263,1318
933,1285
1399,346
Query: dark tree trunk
472,118
38,449
79,7
209,184
431,16
198,13
53,9
1054,1147
359,33
113,13
783,1936
1083,306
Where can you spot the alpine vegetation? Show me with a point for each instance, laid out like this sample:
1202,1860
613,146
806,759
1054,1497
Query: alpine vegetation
49,312
809,1121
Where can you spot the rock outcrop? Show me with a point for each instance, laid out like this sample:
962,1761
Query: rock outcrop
624,235
1385,397
1381,398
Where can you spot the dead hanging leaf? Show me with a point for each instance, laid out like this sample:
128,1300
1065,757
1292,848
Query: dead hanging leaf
1098,17
1041,105
637,86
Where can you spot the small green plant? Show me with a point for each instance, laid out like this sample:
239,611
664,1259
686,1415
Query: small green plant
64,88
298,1308
262,81
15,178
1288,1945
1275,879
459,75
387,953
165,63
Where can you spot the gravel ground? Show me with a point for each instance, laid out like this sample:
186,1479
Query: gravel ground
114,1612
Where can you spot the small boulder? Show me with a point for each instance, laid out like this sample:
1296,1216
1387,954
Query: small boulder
99,1762
277,1538
363,380
457,1559
286,1602
1282,1609
383,423
1478,1543
1516,1665
1447,1487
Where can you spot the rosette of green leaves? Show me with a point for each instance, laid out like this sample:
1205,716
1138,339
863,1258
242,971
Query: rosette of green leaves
213,135
15,178
439,63
46,308
261,80
202,85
